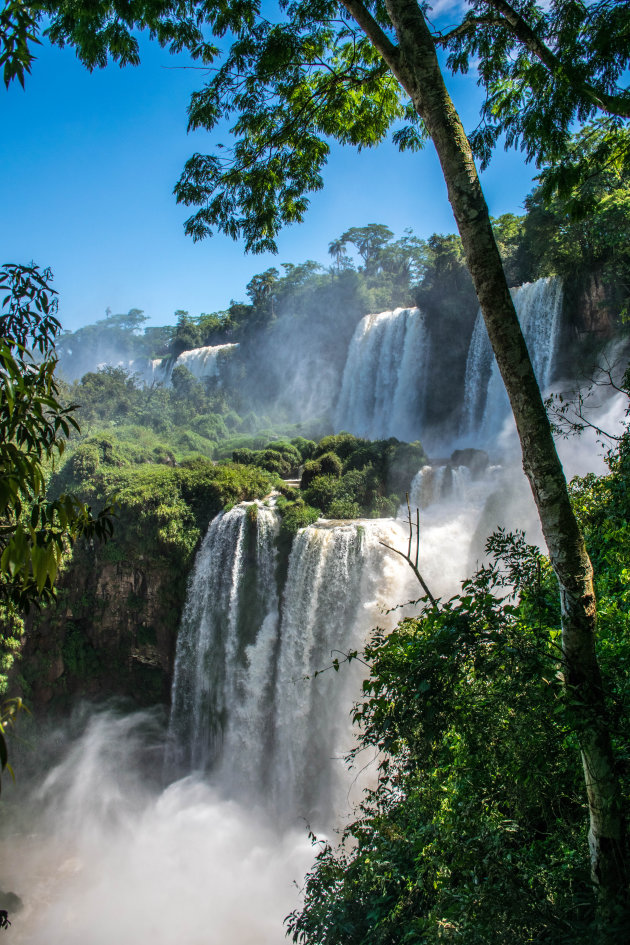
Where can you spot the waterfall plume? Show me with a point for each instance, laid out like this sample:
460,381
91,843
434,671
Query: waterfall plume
384,380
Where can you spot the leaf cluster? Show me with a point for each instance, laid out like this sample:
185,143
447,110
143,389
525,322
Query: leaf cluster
34,426
544,67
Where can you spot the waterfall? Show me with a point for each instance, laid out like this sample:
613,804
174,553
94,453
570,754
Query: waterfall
433,484
539,309
203,362
384,381
225,644
255,700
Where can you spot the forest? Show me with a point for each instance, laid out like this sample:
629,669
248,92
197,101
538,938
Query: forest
276,598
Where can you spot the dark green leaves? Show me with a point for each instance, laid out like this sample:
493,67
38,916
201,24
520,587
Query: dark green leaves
18,30
290,87
34,425
544,67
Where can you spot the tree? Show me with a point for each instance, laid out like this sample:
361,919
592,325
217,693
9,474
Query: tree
260,290
186,335
369,241
568,55
34,425
314,74
351,70
337,249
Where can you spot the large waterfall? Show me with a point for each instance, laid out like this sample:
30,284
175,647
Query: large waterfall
384,381
225,649
255,702
539,309
260,719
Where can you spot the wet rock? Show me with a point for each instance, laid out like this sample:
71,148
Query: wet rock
476,460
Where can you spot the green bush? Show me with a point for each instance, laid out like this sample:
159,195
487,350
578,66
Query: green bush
243,456
344,508
273,461
306,448
321,492
340,443
330,464
311,469
296,515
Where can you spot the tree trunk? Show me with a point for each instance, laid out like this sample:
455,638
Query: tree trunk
414,63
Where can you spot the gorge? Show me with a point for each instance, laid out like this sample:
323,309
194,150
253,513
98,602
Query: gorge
204,816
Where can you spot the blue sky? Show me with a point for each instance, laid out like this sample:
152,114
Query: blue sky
90,160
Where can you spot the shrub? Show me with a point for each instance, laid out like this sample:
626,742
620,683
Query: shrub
340,443
306,448
243,456
344,507
296,515
322,491
271,461
330,464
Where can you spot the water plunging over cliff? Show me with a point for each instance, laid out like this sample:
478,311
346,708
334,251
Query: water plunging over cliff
223,665
384,381
539,309
203,362
250,703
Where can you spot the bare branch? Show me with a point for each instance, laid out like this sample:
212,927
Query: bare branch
407,557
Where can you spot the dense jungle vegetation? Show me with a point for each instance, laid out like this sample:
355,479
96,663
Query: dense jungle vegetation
476,831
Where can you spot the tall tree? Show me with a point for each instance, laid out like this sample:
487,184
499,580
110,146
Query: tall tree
295,81
369,241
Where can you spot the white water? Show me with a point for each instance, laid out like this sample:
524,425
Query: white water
384,381
255,702
486,406
219,672
201,362
100,854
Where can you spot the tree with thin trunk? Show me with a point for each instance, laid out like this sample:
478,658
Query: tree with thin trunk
354,83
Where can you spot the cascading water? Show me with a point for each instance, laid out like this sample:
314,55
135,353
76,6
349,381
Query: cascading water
384,381
433,484
539,309
340,581
250,701
225,647
203,362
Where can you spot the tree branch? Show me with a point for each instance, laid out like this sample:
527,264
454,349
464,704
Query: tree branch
407,557
377,36
468,26
520,28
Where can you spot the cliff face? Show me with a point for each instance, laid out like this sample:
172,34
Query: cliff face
113,628
112,632
594,309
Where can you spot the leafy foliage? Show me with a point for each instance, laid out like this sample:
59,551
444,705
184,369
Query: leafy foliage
18,32
475,831
34,426
544,66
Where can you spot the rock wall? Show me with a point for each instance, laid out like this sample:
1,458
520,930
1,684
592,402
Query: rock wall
112,632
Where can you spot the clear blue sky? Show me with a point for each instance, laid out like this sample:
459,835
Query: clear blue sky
90,160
